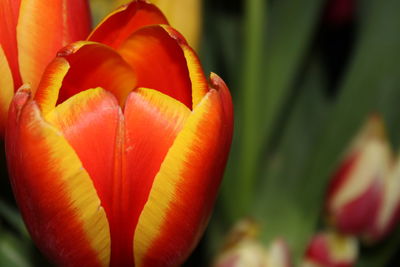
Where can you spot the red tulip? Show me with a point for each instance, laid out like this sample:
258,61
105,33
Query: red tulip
356,191
330,249
117,157
31,33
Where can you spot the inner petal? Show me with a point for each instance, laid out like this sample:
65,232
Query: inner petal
95,65
159,62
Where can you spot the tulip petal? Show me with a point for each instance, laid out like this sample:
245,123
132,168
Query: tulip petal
388,214
84,65
355,217
120,24
48,90
7,90
152,121
185,187
196,73
66,21
151,49
92,122
8,36
89,122
54,192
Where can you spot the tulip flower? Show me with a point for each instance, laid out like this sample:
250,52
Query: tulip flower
31,32
357,188
330,249
116,158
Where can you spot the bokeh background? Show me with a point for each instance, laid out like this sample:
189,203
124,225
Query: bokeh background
304,76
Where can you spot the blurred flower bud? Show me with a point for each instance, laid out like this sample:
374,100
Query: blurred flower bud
243,249
357,188
330,249
247,253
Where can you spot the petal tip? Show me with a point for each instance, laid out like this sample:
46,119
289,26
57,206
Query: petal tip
173,33
216,82
22,96
71,48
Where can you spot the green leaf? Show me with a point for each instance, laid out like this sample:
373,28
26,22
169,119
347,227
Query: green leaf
13,252
277,206
268,77
13,217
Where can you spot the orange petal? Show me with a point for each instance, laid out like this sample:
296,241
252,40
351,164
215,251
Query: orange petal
120,24
9,12
54,192
91,122
157,56
185,188
43,28
81,66
7,90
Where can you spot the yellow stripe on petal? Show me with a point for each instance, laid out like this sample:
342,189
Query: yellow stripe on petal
35,23
47,93
55,193
184,189
7,90
196,73
43,28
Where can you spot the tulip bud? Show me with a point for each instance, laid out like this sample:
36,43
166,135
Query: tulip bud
31,32
243,249
356,190
248,252
118,157
330,249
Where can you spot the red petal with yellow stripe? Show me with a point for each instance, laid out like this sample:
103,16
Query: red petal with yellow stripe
54,192
38,40
185,187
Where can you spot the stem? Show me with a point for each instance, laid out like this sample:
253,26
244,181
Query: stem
255,22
